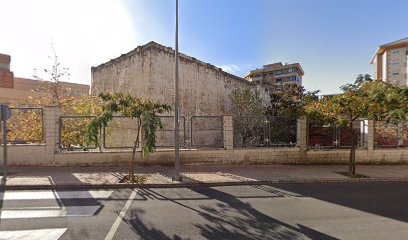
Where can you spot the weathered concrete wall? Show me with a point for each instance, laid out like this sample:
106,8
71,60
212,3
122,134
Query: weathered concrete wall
148,72
29,155
37,156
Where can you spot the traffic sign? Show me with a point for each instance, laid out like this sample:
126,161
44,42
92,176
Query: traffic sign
5,112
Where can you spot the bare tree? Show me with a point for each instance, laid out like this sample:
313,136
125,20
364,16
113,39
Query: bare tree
51,79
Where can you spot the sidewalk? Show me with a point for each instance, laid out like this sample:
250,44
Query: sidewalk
160,176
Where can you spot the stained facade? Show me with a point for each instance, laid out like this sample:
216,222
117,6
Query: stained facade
148,72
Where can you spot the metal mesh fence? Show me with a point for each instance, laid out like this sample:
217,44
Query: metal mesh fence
73,132
207,131
26,125
329,135
271,131
391,135
121,132
280,132
165,136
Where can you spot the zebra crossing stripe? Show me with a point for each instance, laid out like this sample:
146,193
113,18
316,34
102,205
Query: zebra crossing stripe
43,234
72,211
48,194
25,212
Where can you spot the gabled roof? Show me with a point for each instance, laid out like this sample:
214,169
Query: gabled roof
396,44
160,47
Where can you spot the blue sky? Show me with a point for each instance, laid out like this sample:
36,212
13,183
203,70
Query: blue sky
333,40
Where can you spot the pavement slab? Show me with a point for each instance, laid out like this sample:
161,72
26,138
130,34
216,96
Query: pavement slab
199,174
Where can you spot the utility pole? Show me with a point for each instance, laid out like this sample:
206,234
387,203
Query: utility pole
4,127
4,116
176,176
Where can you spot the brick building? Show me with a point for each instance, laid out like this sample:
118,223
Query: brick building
14,90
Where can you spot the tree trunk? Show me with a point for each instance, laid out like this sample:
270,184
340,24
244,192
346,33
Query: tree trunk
132,162
352,164
100,140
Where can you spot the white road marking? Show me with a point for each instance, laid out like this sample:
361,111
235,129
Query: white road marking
38,234
122,213
48,194
100,193
46,213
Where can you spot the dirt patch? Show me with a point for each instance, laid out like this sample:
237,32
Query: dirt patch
139,179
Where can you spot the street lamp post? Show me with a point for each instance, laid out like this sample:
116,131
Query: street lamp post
177,176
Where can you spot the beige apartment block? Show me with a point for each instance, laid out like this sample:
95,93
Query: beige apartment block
277,74
390,62
14,90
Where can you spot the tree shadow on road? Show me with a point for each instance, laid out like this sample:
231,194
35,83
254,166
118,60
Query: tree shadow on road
234,219
144,231
230,218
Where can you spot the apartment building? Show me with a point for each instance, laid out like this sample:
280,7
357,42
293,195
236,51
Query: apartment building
14,90
277,74
390,62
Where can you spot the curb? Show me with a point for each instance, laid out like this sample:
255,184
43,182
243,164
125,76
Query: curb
198,184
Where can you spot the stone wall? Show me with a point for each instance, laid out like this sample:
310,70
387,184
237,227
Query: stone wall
23,155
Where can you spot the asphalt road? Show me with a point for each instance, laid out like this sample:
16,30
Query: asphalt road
284,211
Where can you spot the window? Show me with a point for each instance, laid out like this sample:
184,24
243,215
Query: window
271,73
292,78
258,75
395,51
291,70
279,80
278,73
395,63
396,73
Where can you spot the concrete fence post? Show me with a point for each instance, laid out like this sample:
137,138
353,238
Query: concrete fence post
52,121
228,132
370,135
302,133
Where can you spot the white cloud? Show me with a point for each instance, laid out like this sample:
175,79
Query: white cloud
231,68
237,70
85,33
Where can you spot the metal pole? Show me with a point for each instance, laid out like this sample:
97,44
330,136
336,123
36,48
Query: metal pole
4,146
176,109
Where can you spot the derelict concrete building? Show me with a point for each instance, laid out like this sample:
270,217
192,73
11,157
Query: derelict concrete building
148,72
